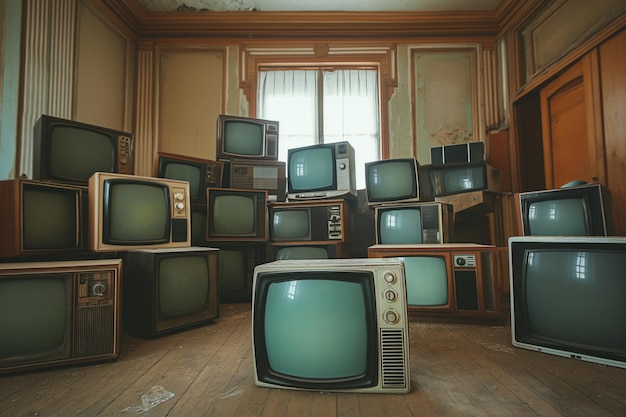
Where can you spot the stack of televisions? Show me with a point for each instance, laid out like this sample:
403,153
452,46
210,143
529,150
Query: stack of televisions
415,222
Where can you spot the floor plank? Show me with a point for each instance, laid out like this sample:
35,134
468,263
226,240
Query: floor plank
456,370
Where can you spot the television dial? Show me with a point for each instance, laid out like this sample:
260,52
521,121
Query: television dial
391,316
342,165
179,206
389,277
390,295
99,289
179,196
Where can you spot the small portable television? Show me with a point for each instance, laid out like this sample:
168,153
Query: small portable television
240,137
134,212
571,211
59,313
70,152
403,223
567,296
199,173
236,268
449,281
322,171
446,179
310,221
40,217
168,290
299,250
392,181
236,215
331,325
258,175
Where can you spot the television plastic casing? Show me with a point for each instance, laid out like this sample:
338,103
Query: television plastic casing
284,251
260,231
211,172
433,176
93,328
473,289
18,220
344,185
235,278
522,334
122,150
179,209
391,370
591,194
141,300
414,194
258,175
269,138
326,221
437,221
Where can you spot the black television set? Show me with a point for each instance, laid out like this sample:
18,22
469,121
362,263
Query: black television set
310,221
236,269
449,281
404,223
322,171
454,178
240,137
236,215
331,325
70,152
59,313
199,173
570,211
567,296
169,290
41,217
392,181
134,212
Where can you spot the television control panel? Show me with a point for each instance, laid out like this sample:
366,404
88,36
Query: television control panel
125,162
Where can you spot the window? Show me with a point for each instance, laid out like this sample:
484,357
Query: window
323,105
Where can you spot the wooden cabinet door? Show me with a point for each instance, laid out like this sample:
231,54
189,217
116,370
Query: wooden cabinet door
570,140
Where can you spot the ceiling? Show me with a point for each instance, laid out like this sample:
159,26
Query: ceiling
320,5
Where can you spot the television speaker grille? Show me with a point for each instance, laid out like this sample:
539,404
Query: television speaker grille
95,331
393,363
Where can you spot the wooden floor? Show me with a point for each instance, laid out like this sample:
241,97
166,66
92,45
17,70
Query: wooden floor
456,370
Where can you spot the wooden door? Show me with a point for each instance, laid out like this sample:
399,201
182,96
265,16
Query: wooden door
570,142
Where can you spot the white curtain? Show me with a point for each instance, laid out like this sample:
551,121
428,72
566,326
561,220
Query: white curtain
349,110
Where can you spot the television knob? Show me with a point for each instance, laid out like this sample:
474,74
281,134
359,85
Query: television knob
179,196
99,289
390,295
391,316
342,165
179,206
389,277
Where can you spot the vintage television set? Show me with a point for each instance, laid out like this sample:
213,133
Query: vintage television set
199,173
134,212
331,325
236,215
449,281
392,181
59,313
322,171
567,296
168,290
570,211
236,268
40,217
403,223
453,178
310,221
70,152
240,137
258,175
299,250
